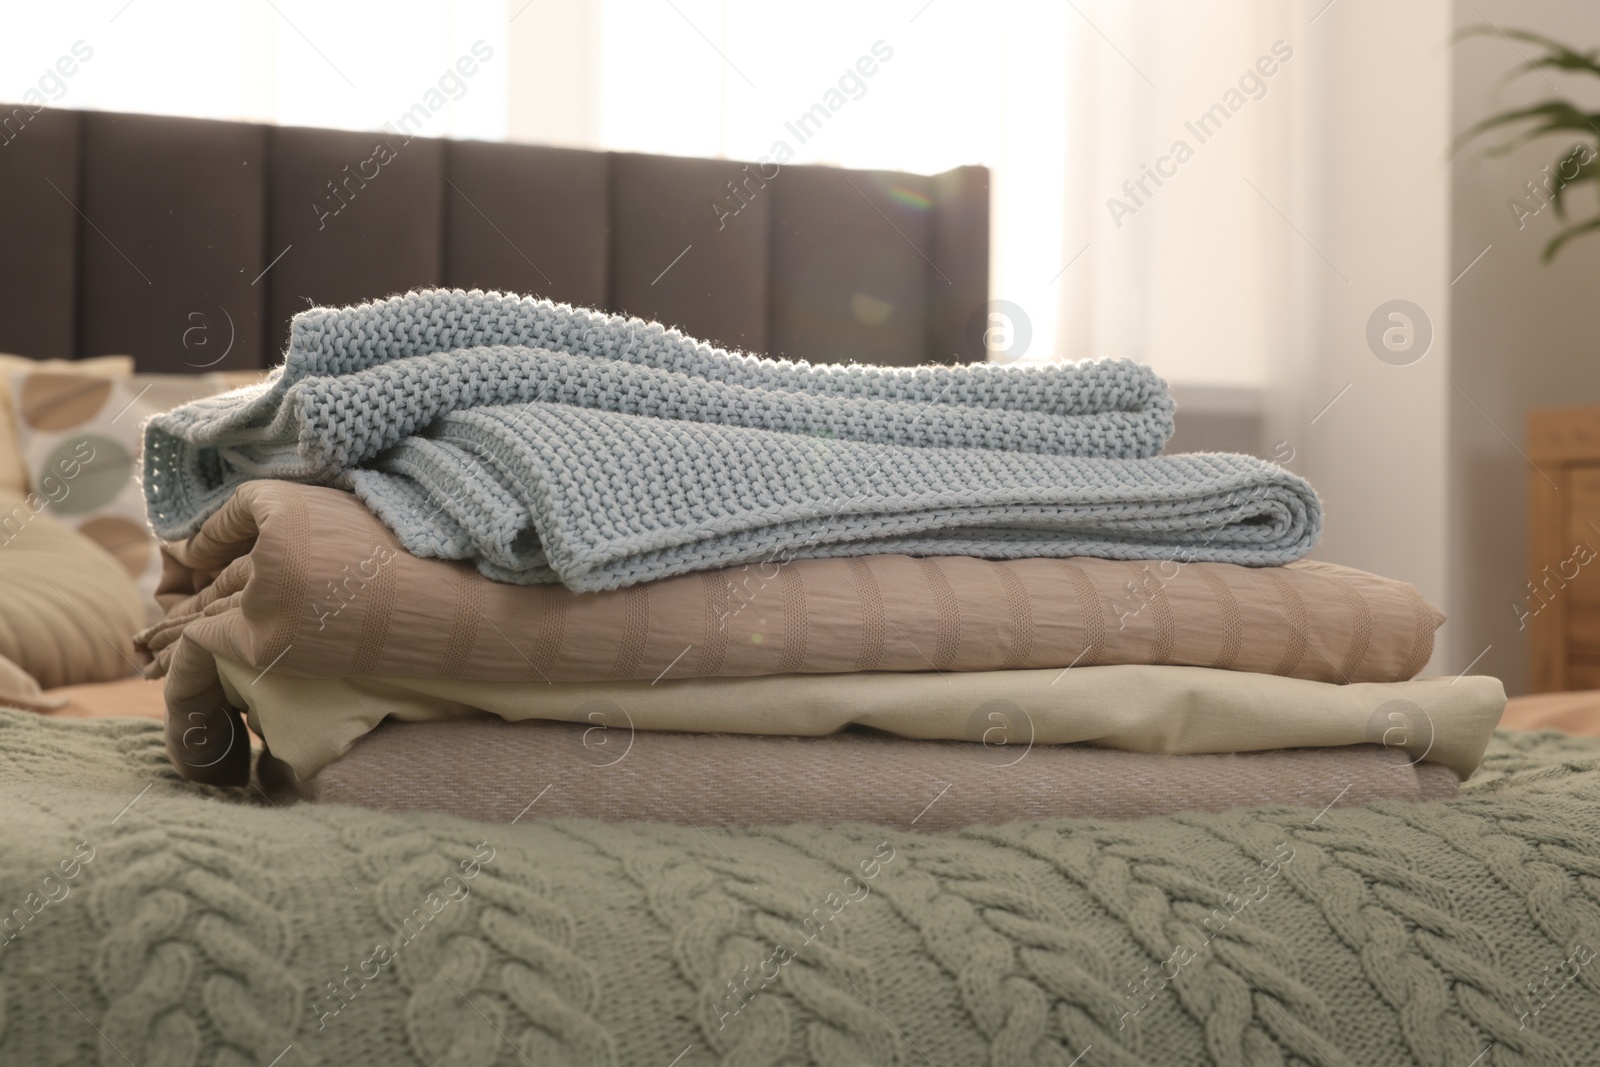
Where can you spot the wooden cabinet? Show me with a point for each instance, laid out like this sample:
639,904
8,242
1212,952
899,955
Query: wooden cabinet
1560,605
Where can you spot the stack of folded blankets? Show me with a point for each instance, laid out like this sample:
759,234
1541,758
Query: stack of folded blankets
507,558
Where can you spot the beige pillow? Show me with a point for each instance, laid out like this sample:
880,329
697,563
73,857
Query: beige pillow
19,690
13,472
68,610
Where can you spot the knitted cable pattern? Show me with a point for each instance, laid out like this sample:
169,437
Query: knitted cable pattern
1027,980
192,956
552,443
507,957
770,989
1167,902
1439,973
205,926
1556,868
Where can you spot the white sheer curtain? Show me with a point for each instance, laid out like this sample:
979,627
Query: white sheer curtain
1063,101
1182,189
963,83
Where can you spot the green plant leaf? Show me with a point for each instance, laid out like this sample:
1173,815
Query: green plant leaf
1587,172
1558,56
1566,235
1556,115
1542,119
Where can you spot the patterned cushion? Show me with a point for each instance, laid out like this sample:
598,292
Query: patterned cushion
81,438
13,471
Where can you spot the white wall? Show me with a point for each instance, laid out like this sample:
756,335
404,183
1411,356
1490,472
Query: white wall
1524,331
1373,206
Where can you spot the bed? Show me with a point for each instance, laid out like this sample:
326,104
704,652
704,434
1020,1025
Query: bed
150,918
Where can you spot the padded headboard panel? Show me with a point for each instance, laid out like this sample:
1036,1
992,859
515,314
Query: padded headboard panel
190,243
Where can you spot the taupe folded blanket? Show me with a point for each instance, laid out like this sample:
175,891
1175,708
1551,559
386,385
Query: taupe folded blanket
304,580
498,771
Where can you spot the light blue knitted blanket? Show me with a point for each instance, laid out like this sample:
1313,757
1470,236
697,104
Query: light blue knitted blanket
548,443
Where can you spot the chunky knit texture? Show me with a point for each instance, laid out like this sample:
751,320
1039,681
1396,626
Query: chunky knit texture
547,492
563,444
206,931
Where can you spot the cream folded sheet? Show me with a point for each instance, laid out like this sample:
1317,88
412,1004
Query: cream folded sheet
308,723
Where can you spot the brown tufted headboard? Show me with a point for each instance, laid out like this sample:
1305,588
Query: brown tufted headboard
190,243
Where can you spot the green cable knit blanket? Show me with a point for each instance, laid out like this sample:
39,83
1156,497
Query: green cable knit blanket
150,921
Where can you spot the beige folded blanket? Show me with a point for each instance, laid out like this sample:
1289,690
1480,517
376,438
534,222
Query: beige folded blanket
498,771
305,579
310,722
